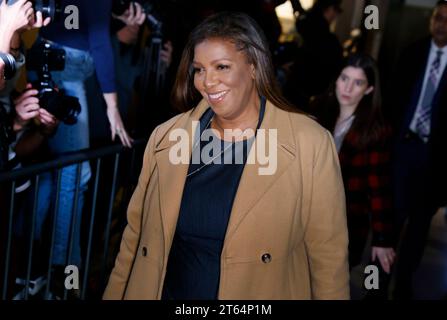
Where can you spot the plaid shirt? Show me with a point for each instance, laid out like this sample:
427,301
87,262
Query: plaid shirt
367,179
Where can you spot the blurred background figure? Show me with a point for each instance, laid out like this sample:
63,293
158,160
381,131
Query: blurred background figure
22,122
351,110
143,55
320,54
86,50
418,108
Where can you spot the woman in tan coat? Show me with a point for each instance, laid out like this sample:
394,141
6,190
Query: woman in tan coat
252,206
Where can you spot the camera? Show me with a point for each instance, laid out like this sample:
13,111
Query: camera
150,7
43,59
10,65
49,8
120,6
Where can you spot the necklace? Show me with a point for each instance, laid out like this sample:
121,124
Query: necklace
215,157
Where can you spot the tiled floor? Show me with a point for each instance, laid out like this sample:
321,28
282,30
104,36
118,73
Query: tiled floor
430,281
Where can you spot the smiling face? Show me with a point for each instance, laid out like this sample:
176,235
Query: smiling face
351,86
225,78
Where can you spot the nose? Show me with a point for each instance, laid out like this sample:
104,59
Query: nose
210,79
348,86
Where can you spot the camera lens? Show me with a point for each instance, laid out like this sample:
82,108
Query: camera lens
10,65
49,8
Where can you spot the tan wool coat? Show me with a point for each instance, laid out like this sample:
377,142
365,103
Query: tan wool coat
287,235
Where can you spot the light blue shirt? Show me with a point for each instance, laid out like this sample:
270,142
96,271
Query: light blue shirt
431,58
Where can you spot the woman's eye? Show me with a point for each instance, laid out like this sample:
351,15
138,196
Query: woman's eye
197,70
359,83
222,67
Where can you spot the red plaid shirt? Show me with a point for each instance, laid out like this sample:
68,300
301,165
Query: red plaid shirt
367,179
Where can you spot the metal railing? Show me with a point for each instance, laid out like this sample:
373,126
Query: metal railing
123,177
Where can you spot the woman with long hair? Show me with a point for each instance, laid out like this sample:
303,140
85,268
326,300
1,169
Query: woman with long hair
351,111
202,226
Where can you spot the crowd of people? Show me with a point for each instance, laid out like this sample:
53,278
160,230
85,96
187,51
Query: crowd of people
354,161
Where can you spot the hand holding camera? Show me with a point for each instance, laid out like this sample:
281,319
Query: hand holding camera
133,16
22,14
47,122
38,21
27,107
15,16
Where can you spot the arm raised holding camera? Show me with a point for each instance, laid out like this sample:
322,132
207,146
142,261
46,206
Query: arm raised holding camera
13,17
17,16
133,18
28,109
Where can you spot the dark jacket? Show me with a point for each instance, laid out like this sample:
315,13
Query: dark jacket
406,89
367,179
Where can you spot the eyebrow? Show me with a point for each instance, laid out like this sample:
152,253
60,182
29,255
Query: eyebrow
356,79
214,61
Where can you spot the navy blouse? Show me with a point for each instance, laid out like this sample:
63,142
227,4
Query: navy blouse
193,269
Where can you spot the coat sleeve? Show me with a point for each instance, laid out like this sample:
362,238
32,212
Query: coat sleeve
326,235
379,187
118,279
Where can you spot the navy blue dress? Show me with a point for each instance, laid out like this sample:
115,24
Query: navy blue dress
193,269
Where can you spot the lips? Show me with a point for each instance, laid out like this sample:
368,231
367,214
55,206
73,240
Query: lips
217,96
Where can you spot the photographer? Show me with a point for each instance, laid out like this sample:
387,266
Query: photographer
31,125
131,36
44,124
87,50
14,17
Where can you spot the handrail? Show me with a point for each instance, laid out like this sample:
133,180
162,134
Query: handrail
65,160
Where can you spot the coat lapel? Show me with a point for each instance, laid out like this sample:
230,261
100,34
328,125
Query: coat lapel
252,185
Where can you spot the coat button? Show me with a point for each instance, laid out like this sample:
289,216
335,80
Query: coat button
266,258
144,251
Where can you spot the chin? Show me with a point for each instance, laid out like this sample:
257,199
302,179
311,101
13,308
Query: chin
220,107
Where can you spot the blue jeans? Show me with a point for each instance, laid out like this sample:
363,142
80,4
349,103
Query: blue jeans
78,67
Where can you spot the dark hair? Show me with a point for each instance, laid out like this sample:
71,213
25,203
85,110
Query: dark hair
247,36
440,2
369,124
